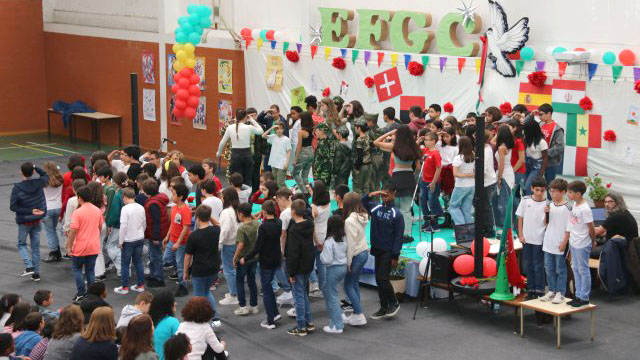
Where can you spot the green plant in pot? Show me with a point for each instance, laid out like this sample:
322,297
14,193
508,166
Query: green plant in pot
397,276
597,190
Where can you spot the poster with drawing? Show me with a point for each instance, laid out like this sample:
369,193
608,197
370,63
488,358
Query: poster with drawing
200,121
147,68
171,58
225,76
149,104
273,75
199,69
172,103
225,113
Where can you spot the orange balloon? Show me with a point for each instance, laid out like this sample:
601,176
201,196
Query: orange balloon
579,49
627,57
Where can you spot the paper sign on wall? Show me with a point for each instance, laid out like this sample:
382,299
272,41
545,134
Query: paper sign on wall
388,84
149,104
225,76
199,69
297,97
634,115
200,120
273,76
225,113
147,68
171,58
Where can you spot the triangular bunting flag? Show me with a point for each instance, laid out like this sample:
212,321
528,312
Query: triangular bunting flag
327,52
354,55
443,62
478,65
636,74
367,56
407,59
380,58
425,61
273,44
314,48
299,47
247,42
259,43
615,72
519,66
394,59
592,70
343,53
285,46
540,65
461,62
562,68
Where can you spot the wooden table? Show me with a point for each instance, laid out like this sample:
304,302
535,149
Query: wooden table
96,118
558,311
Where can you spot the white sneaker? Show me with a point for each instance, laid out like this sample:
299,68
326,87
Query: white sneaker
332,330
241,311
229,300
266,325
137,288
316,294
558,298
277,318
313,287
346,319
292,312
121,290
548,297
357,320
254,309
285,298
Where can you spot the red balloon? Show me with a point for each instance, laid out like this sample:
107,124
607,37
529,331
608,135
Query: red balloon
485,247
182,94
183,83
186,72
463,265
489,267
180,104
175,88
627,57
579,49
269,35
190,112
178,112
246,32
194,79
194,90
193,101
176,77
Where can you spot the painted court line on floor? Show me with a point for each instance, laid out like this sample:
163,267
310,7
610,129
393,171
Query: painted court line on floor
36,149
51,147
17,147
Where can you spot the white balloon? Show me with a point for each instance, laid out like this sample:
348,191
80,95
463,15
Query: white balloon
255,33
423,248
439,244
423,266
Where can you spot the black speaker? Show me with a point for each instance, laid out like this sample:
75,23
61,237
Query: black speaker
442,265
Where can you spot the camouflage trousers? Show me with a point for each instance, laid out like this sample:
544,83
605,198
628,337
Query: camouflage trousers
362,179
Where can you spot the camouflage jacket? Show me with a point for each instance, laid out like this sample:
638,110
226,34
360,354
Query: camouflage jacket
362,147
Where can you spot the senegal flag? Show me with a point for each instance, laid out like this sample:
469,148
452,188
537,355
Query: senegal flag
534,96
583,132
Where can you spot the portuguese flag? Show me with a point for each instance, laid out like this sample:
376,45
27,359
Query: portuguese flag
566,96
534,96
583,132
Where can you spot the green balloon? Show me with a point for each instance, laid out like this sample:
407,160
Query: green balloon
205,22
527,53
204,11
192,9
183,20
181,38
263,35
609,58
558,50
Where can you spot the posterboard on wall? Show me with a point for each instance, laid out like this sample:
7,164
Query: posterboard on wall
171,58
174,119
148,68
199,70
225,76
200,121
149,104
273,75
297,96
225,112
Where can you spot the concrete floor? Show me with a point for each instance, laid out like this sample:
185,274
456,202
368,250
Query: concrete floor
445,330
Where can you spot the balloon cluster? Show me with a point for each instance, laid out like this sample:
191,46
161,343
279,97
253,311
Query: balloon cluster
185,56
187,93
264,34
192,26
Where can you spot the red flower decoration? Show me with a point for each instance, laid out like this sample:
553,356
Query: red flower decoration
339,63
505,108
326,92
292,56
537,78
415,68
609,186
369,82
448,107
610,136
586,104
636,87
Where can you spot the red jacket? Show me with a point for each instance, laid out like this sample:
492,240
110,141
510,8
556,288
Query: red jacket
157,224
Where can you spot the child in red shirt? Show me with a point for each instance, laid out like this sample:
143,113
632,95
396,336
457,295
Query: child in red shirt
430,182
176,238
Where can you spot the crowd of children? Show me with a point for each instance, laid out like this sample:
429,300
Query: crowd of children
126,204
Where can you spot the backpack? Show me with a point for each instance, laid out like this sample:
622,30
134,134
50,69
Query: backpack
612,270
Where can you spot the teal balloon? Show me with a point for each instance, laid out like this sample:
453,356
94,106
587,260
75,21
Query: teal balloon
527,53
205,22
192,9
194,38
183,20
182,38
558,50
197,29
187,28
609,58
263,35
204,11
194,19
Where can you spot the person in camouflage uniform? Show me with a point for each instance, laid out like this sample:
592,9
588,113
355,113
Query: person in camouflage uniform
226,153
342,160
362,167
323,158
377,159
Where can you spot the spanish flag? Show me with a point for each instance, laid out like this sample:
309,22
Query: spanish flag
583,132
534,96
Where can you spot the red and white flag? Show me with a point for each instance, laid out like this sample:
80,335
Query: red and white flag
388,84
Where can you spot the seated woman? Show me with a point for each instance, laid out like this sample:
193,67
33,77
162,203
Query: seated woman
619,222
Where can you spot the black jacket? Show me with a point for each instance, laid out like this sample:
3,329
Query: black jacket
28,195
90,303
299,249
267,244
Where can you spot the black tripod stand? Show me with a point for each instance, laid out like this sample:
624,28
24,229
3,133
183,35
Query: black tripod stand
425,283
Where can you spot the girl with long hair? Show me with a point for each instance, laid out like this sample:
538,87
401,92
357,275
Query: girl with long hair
330,113
505,177
517,160
461,205
98,340
240,135
448,149
137,342
334,258
53,197
490,181
162,312
228,230
7,302
15,322
536,153
99,200
68,329
304,152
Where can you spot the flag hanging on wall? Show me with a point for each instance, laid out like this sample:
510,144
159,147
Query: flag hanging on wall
534,96
583,132
388,84
566,95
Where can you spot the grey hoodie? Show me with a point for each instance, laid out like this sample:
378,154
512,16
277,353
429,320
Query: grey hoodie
128,313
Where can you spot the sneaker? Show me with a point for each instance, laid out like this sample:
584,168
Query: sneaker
426,228
66,257
378,314
173,275
332,330
52,258
297,332
241,311
310,327
531,296
35,277
123,290
27,272
393,311
291,312
182,291
316,294
254,309
111,267
153,283
229,300
137,288
101,278
345,305
548,297
76,299
346,319
357,320
314,287
266,325
576,303
558,298
285,298
215,323
276,318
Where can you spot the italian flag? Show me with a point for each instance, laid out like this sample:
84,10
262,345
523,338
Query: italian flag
533,96
566,96
583,132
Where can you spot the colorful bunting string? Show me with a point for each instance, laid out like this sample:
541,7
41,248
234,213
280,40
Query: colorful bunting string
592,70
299,47
407,59
367,56
343,53
461,62
562,68
259,43
478,65
540,65
425,61
615,72
636,74
327,52
285,47
443,62
380,58
394,59
519,66
273,44
354,55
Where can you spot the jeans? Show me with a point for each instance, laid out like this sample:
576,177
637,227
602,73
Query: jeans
33,231
50,223
551,172
241,162
177,258
227,267
556,269
301,168
320,274
461,205
282,278
132,251
581,271
202,287
112,248
87,263
268,297
533,266
489,221
404,203
247,270
155,260
385,291
430,200
499,203
352,280
519,187
301,300
533,171
335,274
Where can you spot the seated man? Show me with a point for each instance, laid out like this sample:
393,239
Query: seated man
619,222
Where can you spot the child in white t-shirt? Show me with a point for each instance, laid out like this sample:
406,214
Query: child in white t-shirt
280,152
531,218
208,189
581,234
555,239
